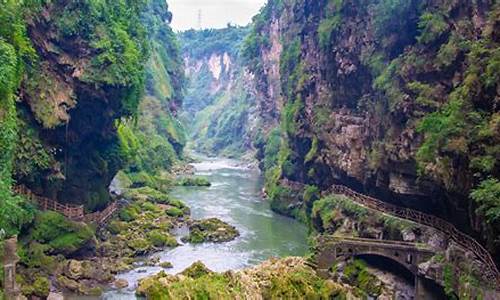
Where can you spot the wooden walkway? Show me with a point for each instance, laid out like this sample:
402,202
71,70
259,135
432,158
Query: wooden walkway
489,273
72,212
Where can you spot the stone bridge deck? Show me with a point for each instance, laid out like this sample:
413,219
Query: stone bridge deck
331,248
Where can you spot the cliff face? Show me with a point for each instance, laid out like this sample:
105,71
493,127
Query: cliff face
220,94
394,98
90,65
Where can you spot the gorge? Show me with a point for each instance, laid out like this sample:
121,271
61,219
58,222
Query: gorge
358,141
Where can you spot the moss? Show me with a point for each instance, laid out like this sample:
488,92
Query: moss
174,212
61,234
276,280
449,280
313,151
140,245
129,213
210,230
357,274
161,239
166,265
116,226
147,194
431,25
41,287
327,27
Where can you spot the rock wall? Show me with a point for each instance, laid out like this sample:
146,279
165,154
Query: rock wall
220,95
381,96
88,73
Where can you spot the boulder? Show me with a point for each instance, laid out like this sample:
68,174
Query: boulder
121,283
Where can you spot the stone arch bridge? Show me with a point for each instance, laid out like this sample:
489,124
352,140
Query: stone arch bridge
330,249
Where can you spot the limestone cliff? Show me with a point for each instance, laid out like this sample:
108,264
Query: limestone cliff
220,95
86,77
394,98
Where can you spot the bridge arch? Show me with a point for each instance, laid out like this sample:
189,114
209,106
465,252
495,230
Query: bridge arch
333,252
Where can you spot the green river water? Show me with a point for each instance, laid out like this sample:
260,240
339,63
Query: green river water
235,197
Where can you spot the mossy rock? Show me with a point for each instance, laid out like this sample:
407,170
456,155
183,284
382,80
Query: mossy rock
39,288
139,245
130,213
147,194
288,278
62,235
174,212
196,270
194,181
116,226
166,265
160,239
211,230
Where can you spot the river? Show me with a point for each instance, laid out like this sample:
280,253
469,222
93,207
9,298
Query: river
235,198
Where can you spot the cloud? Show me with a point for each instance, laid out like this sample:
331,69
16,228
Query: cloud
214,13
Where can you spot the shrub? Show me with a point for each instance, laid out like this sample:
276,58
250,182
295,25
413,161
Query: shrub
327,27
487,197
431,25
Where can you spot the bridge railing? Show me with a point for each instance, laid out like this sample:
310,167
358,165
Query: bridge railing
490,273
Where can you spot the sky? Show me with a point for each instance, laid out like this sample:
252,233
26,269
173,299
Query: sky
214,13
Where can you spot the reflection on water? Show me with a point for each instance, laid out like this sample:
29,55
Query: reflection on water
235,198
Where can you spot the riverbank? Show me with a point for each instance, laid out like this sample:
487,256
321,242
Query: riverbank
234,197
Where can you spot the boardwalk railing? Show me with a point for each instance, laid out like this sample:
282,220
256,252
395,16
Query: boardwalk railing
101,217
489,272
73,212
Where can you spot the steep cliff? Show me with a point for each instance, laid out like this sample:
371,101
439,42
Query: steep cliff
220,94
398,99
75,74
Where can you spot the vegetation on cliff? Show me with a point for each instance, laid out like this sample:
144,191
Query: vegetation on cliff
219,95
407,101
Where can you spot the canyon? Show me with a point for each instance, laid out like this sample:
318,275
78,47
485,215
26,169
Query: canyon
373,123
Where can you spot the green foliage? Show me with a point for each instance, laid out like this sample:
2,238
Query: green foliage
449,280
358,275
311,193
15,52
291,113
129,144
31,156
115,32
130,213
161,239
326,28
487,197
291,68
175,212
272,148
432,26
62,235
448,52
198,44
313,151
391,16
388,83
